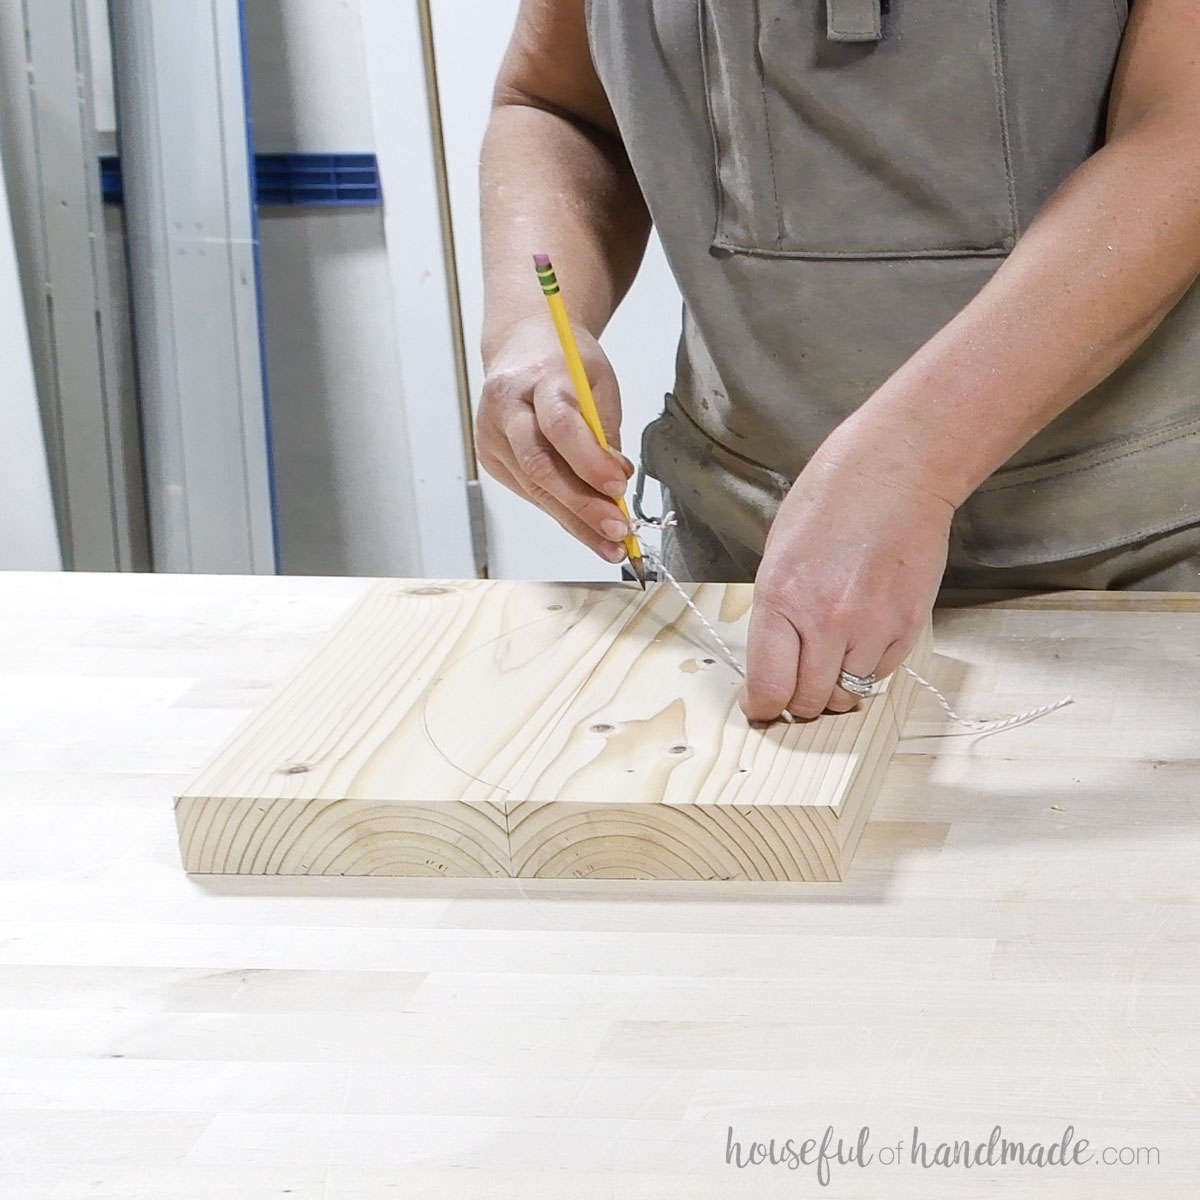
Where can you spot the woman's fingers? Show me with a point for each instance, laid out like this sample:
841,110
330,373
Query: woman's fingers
561,423
821,658
531,434
790,670
612,551
609,549
543,472
773,658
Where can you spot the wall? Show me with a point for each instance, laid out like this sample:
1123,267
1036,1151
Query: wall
337,409
343,476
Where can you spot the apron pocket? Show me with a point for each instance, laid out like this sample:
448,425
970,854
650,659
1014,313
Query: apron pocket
828,149
731,494
1116,494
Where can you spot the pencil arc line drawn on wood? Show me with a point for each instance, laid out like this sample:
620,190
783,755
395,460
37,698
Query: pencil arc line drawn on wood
559,617
500,729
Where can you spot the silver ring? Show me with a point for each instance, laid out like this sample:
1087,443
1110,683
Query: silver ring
856,685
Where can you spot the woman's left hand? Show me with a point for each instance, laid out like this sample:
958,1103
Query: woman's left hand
852,566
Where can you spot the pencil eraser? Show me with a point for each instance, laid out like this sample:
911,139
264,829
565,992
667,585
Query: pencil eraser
541,261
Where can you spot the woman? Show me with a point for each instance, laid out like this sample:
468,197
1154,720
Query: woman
938,261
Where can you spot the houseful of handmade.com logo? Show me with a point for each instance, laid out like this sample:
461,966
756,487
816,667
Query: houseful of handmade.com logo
827,1153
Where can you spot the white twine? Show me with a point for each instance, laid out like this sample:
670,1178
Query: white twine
971,724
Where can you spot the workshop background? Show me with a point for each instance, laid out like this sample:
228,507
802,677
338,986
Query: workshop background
193,382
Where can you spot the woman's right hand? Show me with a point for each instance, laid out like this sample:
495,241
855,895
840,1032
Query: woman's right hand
531,436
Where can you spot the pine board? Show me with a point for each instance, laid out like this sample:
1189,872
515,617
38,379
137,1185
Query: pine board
496,729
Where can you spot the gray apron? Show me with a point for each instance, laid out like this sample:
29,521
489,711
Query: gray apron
832,181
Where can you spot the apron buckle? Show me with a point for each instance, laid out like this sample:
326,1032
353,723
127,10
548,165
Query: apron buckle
854,20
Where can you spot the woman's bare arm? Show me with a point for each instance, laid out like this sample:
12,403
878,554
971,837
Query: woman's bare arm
555,177
1098,269
856,554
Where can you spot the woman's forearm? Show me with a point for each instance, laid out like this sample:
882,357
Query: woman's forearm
556,184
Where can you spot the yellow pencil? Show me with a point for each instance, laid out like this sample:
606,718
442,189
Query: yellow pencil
583,390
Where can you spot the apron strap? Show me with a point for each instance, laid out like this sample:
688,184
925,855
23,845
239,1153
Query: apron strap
854,20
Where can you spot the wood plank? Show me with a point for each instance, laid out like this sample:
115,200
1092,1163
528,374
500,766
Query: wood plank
1072,600
473,728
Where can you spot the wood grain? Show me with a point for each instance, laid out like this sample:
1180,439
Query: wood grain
472,728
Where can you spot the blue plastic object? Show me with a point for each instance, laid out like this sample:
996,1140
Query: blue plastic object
311,180
317,179
110,179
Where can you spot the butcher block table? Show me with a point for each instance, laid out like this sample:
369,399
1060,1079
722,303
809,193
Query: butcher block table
1015,954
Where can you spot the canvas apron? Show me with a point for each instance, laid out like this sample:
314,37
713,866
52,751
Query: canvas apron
832,181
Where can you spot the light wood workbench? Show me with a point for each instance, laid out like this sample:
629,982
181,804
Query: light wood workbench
1018,944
